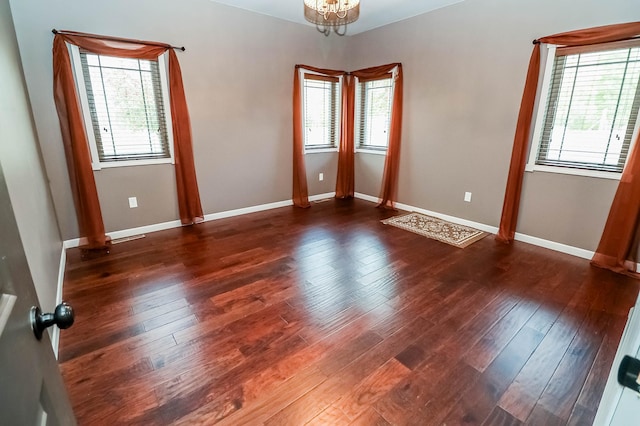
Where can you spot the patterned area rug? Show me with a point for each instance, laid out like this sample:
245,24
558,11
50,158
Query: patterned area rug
438,229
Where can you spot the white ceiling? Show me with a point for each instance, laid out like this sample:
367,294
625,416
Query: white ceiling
373,13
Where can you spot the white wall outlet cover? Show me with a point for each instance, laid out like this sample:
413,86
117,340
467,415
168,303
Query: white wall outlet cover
133,202
467,197
321,177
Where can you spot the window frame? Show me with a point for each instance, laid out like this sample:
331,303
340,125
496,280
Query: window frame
360,97
542,100
338,128
96,164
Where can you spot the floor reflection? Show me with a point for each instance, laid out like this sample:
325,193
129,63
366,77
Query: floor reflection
342,270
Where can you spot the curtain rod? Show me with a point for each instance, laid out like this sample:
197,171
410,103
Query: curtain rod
537,41
123,40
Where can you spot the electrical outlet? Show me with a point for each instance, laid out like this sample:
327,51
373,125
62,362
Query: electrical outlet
467,197
133,202
321,177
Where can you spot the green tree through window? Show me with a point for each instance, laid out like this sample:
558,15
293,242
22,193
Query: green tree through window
126,106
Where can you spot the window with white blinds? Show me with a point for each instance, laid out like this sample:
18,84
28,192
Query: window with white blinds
126,106
592,108
373,113
321,106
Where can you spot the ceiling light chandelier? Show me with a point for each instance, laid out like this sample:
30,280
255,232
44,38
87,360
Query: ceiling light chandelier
332,14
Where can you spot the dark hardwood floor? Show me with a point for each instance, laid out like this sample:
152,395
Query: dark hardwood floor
326,316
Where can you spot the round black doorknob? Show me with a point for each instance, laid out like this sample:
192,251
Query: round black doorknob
629,373
63,317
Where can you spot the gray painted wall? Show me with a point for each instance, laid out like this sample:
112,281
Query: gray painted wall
368,172
325,163
153,185
464,68
238,77
23,171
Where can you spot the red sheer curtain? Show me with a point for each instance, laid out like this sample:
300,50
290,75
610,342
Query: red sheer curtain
619,238
511,204
389,189
75,139
189,204
513,190
76,148
345,182
300,189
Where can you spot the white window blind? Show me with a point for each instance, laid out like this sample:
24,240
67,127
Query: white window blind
126,107
321,111
592,108
374,113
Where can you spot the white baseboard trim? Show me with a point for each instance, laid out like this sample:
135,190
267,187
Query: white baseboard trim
130,232
366,197
144,229
247,210
75,242
55,333
322,196
552,245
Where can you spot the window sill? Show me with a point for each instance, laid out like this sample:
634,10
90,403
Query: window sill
319,150
575,172
371,151
130,163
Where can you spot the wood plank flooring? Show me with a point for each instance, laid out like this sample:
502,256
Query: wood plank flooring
325,316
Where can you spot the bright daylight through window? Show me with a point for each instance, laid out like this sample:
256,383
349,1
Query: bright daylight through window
592,108
374,113
321,111
126,108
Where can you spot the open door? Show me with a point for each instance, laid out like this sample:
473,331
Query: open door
31,388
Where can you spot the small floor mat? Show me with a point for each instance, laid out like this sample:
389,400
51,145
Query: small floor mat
437,229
